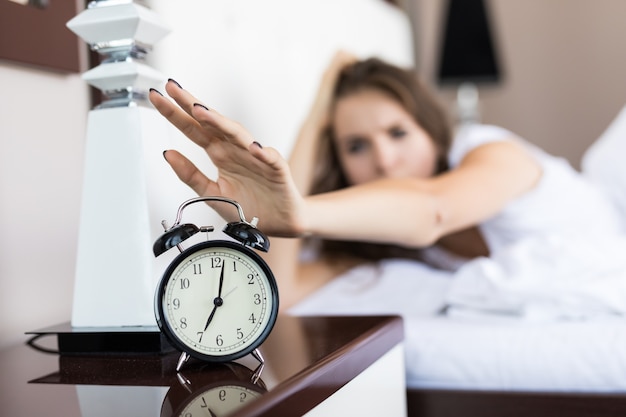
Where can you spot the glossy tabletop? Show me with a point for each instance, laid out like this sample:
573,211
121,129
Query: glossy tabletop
307,359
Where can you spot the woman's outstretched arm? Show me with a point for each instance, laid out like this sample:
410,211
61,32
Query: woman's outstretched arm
411,212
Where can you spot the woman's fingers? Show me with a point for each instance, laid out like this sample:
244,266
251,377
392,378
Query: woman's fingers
221,127
269,158
199,123
189,174
215,124
182,97
178,117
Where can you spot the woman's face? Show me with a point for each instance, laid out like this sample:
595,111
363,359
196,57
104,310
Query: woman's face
377,138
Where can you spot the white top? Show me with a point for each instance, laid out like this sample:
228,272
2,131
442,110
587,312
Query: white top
562,203
556,251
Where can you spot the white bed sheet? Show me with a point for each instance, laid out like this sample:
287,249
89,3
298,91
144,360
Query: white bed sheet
514,354
466,349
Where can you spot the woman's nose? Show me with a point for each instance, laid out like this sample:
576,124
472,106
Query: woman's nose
385,158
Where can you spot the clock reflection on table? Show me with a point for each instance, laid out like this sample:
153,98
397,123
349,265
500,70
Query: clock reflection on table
213,390
138,385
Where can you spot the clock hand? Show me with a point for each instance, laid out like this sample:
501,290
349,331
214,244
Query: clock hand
215,305
217,301
219,292
229,292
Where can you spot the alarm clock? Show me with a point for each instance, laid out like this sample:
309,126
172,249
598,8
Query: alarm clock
218,299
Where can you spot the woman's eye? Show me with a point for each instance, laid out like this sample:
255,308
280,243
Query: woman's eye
397,133
356,146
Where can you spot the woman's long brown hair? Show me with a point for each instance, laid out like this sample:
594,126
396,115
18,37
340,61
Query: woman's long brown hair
405,86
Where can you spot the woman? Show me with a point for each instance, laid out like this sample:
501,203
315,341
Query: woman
375,167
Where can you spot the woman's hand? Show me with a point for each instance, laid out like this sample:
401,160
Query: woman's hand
303,155
320,111
256,177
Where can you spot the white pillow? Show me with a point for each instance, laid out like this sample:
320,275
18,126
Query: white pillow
604,162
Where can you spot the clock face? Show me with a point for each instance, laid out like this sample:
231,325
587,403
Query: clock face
217,301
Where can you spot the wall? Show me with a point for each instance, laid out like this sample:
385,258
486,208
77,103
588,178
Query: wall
42,125
564,68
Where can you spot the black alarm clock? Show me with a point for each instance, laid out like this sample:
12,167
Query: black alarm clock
217,300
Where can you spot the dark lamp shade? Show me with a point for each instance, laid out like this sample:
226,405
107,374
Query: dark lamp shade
468,52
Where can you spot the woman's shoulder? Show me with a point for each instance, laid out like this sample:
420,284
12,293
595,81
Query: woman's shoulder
470,136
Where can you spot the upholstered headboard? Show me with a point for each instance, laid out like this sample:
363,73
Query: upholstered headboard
259,62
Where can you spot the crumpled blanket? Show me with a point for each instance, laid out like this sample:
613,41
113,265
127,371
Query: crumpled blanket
554,277
394,286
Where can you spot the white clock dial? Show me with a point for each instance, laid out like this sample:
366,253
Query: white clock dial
217,300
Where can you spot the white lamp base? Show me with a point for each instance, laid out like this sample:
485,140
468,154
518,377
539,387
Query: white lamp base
124,200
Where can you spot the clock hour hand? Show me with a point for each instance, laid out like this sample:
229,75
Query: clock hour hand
206,326
217,301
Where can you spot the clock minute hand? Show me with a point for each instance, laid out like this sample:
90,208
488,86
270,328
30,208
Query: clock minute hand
219,292
217,301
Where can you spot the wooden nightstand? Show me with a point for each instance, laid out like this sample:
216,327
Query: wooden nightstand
313,366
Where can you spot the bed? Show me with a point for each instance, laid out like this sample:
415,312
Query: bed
454,349
549,316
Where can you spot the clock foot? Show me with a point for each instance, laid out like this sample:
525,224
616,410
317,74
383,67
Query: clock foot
259,369
257,355
184,382
181,360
